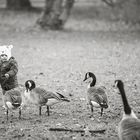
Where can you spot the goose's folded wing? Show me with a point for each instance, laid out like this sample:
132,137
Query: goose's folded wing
100,100
14,96
39,96
42,93
103,94
98,92
99,96
45,95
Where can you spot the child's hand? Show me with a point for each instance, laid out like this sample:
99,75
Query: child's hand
6,75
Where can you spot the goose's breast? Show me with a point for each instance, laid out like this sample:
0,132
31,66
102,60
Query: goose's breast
32,98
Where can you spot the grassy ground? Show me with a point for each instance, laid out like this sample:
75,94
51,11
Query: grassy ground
58,61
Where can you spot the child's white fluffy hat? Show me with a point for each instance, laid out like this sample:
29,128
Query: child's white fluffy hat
6,49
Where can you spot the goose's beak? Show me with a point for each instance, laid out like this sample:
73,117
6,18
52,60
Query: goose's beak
85,79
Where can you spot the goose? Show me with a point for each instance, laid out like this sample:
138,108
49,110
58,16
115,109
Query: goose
129,126
40,97
13,101
97,96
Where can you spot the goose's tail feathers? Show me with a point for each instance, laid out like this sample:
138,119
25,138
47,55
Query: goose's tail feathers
16,104
104,105
62,97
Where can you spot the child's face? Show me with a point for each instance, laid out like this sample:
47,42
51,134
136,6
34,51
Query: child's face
3,57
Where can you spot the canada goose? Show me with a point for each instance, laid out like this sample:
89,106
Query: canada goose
129,126
96,95
41,97
13,101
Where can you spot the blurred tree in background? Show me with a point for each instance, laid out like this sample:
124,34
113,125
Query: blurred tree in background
18,4
55,13
127,10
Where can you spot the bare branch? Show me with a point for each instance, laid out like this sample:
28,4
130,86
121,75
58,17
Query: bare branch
71,130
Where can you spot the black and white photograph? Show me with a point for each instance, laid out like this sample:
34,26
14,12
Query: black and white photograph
69,70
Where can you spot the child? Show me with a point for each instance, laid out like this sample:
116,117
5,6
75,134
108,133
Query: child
8,70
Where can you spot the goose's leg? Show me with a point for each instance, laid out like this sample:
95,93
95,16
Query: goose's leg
101,111
91,107
48,111
19,113
40,110
7,114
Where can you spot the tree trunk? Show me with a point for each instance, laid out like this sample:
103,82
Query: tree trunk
18,4
55,14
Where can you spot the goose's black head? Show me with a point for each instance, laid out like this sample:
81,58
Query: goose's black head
118,86
30,84
118,83
89,75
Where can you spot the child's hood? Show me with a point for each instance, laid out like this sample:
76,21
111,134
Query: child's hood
6,49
